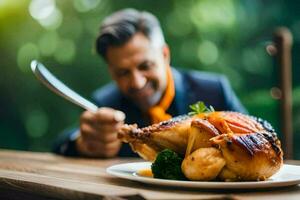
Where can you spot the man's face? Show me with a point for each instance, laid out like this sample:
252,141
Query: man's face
139,70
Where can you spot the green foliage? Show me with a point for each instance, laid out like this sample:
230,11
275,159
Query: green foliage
200,107
167,165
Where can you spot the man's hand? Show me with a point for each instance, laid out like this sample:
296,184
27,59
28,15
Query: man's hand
98,133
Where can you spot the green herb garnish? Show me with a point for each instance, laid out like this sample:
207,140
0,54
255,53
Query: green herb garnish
200,107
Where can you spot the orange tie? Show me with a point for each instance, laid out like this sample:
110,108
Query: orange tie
158,112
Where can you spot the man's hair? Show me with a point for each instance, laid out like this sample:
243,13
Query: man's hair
121,26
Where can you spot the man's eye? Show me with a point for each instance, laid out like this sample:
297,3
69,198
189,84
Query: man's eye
145,66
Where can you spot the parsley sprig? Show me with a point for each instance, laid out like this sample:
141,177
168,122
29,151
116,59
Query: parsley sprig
200,107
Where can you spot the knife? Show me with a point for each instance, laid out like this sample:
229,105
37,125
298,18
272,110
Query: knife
50,81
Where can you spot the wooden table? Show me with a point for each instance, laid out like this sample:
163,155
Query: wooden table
28,175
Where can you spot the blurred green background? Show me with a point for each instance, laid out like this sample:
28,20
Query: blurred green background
224,36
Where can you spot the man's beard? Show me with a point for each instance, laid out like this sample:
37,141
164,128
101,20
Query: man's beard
145,103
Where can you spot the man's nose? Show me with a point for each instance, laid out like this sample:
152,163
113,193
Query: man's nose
138,80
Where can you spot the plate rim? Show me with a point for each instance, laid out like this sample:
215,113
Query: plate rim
129,175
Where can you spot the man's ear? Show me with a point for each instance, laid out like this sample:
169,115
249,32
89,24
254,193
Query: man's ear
166,53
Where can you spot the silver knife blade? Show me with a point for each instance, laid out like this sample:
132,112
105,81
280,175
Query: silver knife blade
55,85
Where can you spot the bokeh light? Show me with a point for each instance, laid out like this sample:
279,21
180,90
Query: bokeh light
211,15
26,54
85,5
46,13
65,51
41,9
208,52
48,43
53,21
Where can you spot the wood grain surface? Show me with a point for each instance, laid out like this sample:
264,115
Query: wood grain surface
28,175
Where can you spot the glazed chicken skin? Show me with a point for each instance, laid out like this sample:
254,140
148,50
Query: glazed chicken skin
227,146
149,141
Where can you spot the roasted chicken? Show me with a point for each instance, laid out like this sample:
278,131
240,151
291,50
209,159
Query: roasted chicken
228,146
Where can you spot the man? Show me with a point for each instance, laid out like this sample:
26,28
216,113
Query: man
146,89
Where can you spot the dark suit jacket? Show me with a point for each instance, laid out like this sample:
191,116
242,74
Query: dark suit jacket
190,87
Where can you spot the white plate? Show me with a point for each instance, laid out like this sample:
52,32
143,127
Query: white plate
287,176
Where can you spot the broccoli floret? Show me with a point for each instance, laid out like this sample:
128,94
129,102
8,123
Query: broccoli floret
167,165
